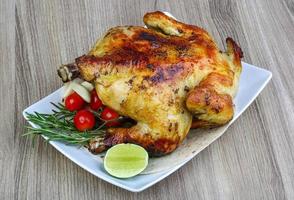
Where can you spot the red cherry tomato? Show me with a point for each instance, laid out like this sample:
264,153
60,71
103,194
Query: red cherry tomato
84,120
74,102
109,114
95,103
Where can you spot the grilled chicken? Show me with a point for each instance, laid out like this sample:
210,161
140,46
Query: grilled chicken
167,77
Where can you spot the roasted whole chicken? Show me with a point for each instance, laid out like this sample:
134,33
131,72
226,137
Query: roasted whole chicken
167,77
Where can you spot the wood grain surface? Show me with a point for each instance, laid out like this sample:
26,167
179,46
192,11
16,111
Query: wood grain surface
254,159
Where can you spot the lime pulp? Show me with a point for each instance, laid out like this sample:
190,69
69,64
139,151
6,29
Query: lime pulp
125,160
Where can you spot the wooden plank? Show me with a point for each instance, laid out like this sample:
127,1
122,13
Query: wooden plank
7,103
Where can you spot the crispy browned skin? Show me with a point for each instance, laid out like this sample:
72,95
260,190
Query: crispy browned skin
162,77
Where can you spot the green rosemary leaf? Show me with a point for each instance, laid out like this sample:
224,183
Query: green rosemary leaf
59,126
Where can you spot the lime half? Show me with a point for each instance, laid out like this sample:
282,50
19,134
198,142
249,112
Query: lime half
125,160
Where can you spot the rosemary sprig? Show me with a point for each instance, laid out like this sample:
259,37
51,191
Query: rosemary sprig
62,111
69,138
59,126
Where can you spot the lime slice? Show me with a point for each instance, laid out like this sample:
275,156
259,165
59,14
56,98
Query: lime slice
125,160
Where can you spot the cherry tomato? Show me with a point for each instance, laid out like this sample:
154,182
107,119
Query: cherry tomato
74,102
95,103
84,120
109,114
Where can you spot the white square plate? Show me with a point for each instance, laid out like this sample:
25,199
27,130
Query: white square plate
252,81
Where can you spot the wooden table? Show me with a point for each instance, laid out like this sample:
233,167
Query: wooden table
254,159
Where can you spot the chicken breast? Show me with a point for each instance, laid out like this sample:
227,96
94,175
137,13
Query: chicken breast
167,77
